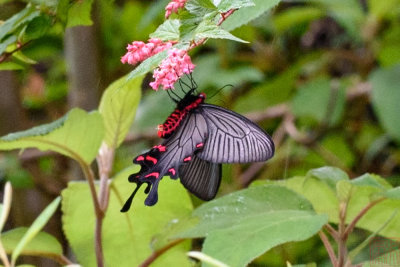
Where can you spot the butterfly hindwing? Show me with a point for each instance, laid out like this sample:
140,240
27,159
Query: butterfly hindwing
201,178
232,138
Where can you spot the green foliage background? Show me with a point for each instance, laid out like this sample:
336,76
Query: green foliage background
321,76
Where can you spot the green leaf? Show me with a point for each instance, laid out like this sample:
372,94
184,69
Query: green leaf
386,98
319,102
389,54
200,7
343,190
43,244
4,44
371,180
9,65
80,13
325,201
247,14
77,135
381,8
393,193
35,228
148,65
208,29
329,175
127,236
348,13
225,5
169,30
276,90
118,107
243,225
295,16
21,56
19,19
37,28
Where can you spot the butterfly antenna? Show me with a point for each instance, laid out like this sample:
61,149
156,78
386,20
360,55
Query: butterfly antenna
173,99
219,90
180,84
192,80
187,85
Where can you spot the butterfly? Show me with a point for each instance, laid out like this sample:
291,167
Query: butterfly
199,137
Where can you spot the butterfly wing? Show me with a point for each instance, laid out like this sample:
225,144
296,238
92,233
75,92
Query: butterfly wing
201,178
232,138
167,158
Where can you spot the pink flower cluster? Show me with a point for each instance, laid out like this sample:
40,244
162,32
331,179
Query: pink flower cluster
173,7
171,69
139,51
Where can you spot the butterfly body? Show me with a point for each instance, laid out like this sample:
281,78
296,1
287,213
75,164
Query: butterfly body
199,137
188,103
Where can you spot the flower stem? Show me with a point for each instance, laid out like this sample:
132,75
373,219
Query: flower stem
159,252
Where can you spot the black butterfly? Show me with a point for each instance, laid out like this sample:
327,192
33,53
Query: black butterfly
199,137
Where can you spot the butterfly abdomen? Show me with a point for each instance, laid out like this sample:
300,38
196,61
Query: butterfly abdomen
173,121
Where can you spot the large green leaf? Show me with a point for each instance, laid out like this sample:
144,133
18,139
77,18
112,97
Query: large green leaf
126,236
316,100
225,5
243,225
200,7
43,244
35,228
169,30
208,29
77,135
295,16
4,44
386,98
249,13
152,62
118,107
364,189
148,65
348,13
19,19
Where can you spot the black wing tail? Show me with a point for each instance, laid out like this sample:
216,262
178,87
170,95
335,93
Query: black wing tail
200,177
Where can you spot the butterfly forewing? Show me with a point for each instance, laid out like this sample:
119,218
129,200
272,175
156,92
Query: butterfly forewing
232,138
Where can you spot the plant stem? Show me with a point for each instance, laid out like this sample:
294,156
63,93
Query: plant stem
98,212
224,16
342,249
159,252
353,223
332,231
329,248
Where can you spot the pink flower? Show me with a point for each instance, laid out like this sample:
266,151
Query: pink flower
139,51
171,69
173,7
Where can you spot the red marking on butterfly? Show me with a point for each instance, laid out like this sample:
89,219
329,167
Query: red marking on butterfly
187,159
155,174
199,145
160,148
154,160
140,158
172,171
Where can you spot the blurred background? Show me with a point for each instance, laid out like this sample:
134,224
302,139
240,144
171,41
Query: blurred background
322,77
